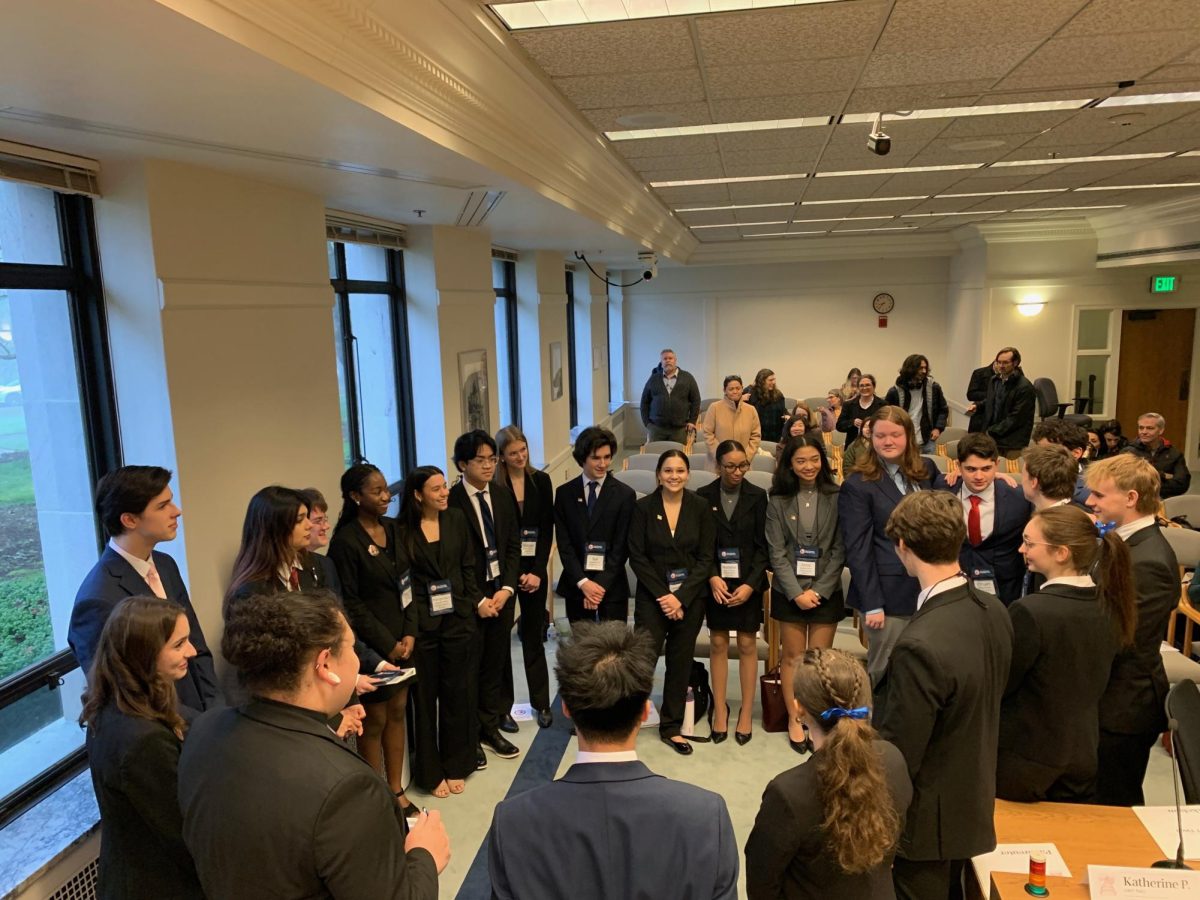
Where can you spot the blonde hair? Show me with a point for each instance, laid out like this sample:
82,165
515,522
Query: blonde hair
911,464
1128,473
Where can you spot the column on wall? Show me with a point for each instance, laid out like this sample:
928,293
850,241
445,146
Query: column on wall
616,341
591,306
541,324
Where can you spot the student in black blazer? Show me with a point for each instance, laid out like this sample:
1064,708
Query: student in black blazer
495,521
1125,492
273,555
736,585
273,804
373,571
594,511
138,512
939,700
1065,637
995,513
829,828
880,589
859,409
534,494
977,391
438,543
671,543
133,737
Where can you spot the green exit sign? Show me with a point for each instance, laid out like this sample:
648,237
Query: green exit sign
1164,284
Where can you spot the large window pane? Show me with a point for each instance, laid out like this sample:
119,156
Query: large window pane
503,362
339,338
1086,366
28,225
1093,329
365,262
38,729
375,368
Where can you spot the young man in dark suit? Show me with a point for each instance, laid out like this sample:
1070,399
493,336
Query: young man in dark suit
495,522
591,525
610,827
995,514
1010,404
1125,493
939,701
977,394
138,512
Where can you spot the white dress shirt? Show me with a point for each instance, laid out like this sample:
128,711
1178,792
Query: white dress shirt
1083,581
1124,531
987,507
593,756
473,492
141,566
941,587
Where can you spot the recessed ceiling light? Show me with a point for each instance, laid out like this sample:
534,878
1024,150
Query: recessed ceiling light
881,228
968,212
1151,99
1071,160
864,200
732,206
738,180
740,224
782,233
1067,208
1139,187
901,170
846,219
998,193
547,13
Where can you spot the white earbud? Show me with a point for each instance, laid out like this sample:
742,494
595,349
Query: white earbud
334,678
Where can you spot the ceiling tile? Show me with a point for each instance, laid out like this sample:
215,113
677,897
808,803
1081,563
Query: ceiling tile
716,235
1118,17
1173,73
860,159
1071,198
610,47
1100,59
918,25
958,62
787,34
991,180
767,191
905,185
767,79
770,214
1079,175
695,162
779,139
672,146
1042,145
632,88
958,204
918,96
848,187
672,171
715,216
694,195
891,208
756,162
654,115
951,151
790,106
1004,124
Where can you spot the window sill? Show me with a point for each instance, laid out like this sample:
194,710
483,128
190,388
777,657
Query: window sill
41,836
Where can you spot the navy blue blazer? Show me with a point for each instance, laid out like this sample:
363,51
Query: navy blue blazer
608,830
109,582
877,579
1000,550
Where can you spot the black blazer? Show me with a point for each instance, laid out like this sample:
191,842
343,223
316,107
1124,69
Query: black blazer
1000,550
370,584
274,805
939,702
574,529
1012,423
134,765
877,579
977,391
453,560
538,512
1063,648
1137,686
746,531
653,551
109,582
851,411
506,518
787,854
368,659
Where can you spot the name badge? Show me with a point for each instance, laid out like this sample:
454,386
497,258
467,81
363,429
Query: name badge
529,538
806,561
985,580
594,556
493,560
675,578
730,559
441,600
406,594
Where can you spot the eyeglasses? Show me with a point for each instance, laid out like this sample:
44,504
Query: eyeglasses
320,521
736,467
485,461
1025,542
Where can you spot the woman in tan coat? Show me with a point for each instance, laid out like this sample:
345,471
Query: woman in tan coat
730,419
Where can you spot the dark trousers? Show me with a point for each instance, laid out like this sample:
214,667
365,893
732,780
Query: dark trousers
494,697
446,734
667,433
530,629
934,879
679,638
1122,767
608,611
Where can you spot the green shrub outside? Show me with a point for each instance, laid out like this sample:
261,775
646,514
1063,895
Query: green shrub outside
25,633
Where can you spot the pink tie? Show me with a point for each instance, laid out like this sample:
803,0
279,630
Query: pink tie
155,582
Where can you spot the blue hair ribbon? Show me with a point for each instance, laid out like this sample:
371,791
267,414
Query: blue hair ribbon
837,712
1105,527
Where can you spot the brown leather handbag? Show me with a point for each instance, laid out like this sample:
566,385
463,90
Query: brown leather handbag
774,707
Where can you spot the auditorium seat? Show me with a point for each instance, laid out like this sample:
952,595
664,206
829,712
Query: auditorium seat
698,460
658,447
1184,505
762,463
953,433
939,461
643,462
760,479
837,438
768,447
706,403
699,478
639,479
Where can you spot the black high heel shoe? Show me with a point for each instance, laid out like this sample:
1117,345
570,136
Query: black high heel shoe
743,737
719,736
804,746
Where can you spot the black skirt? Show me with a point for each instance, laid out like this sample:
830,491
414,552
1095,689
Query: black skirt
746,617
830,612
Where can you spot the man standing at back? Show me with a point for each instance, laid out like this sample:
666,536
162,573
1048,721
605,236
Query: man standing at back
610,827
670,401
138,512
1162,454
939,701
922,398
1009,405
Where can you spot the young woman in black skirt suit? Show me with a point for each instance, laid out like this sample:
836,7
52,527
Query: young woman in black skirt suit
734,601
807,557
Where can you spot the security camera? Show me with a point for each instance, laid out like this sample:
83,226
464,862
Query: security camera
878,142
648,261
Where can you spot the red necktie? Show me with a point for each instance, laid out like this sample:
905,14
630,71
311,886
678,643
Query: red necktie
974,530
294,579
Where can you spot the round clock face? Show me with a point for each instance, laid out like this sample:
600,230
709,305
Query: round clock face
883,303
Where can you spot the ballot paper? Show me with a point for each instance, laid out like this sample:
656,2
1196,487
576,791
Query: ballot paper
521,712
1116,883
1162,825
1014,858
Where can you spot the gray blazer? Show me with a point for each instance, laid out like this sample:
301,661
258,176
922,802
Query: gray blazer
782,528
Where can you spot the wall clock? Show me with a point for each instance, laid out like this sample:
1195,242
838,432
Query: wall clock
884,303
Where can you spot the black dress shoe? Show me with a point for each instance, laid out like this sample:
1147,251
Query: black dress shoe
683,748
509,724
718,737
545,718
480,760
498,745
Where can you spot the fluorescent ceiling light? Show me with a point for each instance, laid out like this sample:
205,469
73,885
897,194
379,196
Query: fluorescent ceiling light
545,13
1070,160
968,212
733,206
905,170
739,180
846,219
1191,153
1067,208
882,228
864,200
998,193
782,233
740,224
1139,187
1150,99
719,128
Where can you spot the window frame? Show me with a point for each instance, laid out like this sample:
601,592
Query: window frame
573,400
508,294
79,278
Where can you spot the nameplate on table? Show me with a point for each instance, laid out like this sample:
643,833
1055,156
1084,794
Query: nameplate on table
1116,883
1162,825
1014,859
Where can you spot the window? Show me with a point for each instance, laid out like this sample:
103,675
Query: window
504,280
370,326
571,373
1093,352
57,436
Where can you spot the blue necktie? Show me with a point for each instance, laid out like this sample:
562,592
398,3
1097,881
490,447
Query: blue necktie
901,483
489,524
591,500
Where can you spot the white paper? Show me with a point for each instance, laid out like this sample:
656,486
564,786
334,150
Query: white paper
1161,824
1014,858
730,569
1116,883
522,712
594,562
529,548
806,568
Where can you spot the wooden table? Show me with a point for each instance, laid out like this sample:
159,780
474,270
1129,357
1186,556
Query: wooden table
1095,835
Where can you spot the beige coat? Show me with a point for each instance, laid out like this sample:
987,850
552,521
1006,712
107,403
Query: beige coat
724,423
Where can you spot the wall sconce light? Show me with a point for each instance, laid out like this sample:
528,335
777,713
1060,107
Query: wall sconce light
1030,305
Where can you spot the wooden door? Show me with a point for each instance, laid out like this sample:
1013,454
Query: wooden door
1156,368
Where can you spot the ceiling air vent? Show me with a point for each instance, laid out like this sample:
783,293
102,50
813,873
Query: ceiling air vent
478,207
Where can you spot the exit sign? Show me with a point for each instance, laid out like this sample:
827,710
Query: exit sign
1164,284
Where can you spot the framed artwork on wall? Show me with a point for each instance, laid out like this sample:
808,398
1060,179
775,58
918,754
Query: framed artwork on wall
473,384
556,372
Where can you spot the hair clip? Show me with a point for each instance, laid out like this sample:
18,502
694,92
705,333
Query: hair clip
1105,527
837,712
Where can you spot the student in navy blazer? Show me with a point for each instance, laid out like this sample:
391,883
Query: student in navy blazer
590,592
137,510
880,589
992,557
